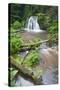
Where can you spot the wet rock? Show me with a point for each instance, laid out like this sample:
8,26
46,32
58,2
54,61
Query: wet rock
23,82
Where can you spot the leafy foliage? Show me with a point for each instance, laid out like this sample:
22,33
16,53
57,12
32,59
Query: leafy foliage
16,25
53,32
32,58
15,42
53,27
12,72
43,20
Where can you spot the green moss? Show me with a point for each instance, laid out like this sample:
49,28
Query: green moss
36,39
37,72
17,58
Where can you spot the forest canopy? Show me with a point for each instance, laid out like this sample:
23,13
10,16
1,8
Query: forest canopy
20,12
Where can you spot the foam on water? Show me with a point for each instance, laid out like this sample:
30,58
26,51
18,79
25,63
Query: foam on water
32,25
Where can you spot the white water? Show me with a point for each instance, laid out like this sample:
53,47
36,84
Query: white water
32,25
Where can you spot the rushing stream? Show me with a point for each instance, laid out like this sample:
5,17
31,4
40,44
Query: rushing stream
50,64
49,58
50,75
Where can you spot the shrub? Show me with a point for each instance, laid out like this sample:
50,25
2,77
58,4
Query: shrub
53,32
15,42
32,58
53,27
43,20
16,25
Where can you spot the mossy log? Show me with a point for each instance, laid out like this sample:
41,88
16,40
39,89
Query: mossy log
32,46
34,75
19,66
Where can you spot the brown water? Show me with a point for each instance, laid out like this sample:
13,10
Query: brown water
31,35
49,62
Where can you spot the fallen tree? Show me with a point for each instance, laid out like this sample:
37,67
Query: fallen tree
34,74
31,46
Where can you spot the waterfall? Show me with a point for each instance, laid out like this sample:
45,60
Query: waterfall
32,24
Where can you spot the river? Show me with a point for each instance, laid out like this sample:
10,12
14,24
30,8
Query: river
49,62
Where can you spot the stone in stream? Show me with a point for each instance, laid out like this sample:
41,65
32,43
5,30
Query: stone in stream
49,77
23,82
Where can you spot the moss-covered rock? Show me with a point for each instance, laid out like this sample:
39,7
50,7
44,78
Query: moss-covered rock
17,58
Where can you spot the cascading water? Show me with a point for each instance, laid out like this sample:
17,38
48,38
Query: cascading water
49,58
32,25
